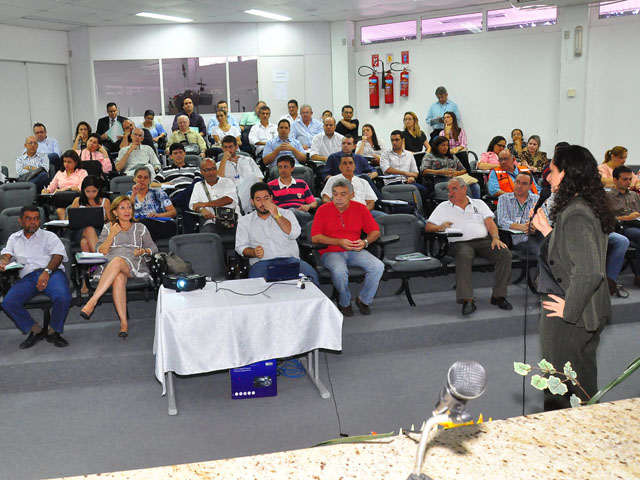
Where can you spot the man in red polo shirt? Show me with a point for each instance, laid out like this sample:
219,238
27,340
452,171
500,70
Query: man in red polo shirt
339,225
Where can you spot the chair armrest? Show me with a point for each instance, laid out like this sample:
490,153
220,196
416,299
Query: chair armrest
387,239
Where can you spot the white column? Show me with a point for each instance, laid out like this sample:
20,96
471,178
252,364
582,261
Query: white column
343,65
573,75
83,91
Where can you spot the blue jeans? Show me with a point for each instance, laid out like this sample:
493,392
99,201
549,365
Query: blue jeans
633,234
41,180
25,289
616,249
338,262
259,269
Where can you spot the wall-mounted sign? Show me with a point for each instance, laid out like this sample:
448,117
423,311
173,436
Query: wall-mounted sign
389,57
405,57
375,60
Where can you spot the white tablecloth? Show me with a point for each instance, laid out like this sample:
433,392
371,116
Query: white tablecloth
204,330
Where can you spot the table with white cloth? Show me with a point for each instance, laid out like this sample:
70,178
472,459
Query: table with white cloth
239,322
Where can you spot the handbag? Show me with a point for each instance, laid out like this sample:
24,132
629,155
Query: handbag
27,177
169,263
225,216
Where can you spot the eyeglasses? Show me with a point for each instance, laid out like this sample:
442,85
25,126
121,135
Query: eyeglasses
210,169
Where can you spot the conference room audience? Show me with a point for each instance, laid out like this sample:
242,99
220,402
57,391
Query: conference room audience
157,131
613,158
33,166
325,143
269,234
532,157
152,206
192,141
517,145
443,164
68,179
127,245
195,120
348,125
340,225
283,144
413,139
137,154
435,115
369,145
211,193
479,238
105,124
83,130
292,193
95,152
306,128
47,144
457,138
242,170
224,129
263,131
489,159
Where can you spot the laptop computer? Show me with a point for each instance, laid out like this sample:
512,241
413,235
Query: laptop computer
282,269
86,217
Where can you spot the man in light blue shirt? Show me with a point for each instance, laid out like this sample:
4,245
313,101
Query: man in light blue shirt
213,122
49,146
438,109
282,145
306,128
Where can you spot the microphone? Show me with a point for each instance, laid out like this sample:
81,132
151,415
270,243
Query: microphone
466,380
545,193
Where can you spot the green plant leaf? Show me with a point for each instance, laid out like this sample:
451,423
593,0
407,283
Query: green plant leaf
545,366
575,400
628,371
521,368
556,386
539,382
570,373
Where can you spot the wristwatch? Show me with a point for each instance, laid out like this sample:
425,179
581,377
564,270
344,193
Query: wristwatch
366,243
49,271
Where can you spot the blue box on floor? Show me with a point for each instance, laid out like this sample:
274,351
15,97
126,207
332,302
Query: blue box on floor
255,380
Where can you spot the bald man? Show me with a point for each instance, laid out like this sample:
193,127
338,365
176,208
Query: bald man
136,154
30,161
327,142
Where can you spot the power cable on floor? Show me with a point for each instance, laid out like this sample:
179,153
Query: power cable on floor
333,395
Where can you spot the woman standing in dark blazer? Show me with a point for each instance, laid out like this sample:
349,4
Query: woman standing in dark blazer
573,282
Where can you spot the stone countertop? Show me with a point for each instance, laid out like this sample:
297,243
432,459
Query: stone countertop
597,442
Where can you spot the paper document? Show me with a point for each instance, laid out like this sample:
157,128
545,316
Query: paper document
453,230
394,202
115,131
13,266
57,223
411,257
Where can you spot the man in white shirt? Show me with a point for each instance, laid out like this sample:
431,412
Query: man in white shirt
292,116
220,192
269,233
327,142
136,154
479,238
31,160
42,253
262,131
362,191
213,121
242,170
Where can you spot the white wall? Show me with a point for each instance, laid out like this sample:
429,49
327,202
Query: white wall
307,45
500,81
32,45
613,100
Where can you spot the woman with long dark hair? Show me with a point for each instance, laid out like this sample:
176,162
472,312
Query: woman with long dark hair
83,130
457,138
444,164
489,159
573,282
369,146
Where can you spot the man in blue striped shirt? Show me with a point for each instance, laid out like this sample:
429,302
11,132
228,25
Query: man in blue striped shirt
513,214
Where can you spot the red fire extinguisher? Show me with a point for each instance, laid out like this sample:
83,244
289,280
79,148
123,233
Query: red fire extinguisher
404,83
374,91
388,88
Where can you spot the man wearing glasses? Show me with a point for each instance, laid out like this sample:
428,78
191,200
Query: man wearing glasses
502,179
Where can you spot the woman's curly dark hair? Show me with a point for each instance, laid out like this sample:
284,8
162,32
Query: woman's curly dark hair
581,177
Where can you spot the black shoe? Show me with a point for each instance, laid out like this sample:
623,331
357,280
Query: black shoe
468,307
363,307
32,339
346,311
502,303
85,315
57,340
123,334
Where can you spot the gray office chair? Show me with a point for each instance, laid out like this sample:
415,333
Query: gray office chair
120,185
203,251
17,194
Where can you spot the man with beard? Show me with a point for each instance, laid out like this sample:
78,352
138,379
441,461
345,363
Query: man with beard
269,233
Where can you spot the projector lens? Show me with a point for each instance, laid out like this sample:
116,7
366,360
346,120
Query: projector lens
181,283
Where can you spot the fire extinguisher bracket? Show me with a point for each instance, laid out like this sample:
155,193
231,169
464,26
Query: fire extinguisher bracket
387,77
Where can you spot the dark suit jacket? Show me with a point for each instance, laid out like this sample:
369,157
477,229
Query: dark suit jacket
103,124
577,257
